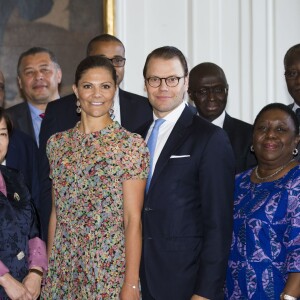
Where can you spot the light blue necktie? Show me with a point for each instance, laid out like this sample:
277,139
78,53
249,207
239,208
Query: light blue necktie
151,146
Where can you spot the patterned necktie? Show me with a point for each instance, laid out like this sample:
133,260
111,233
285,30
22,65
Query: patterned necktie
42,115
151,146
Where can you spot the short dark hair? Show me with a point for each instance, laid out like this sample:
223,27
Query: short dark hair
101,38
282,107
167,52
292,50
95,61
4,115
36,50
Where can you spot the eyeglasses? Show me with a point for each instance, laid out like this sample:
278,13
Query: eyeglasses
171,81
118,61
204,92
291,74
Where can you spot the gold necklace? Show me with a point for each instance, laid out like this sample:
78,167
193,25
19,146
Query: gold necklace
272,175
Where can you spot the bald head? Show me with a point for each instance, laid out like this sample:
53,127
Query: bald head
2,89
208,88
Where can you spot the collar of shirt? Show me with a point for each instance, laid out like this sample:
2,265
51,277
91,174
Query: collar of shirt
219,121
116,106
36,120
295,106
165,130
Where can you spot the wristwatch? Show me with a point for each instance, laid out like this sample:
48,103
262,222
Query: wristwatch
287,297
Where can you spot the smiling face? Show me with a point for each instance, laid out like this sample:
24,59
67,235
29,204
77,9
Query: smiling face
4,139
274,138
165,99
39,78
95,91
292,75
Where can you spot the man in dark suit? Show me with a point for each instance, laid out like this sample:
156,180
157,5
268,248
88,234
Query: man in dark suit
39,76
187,215
292,76
208,88
130,110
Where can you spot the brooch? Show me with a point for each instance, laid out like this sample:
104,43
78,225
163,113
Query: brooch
16,196
20,255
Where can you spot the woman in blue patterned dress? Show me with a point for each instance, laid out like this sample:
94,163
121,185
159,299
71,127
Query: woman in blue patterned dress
265,254
98,172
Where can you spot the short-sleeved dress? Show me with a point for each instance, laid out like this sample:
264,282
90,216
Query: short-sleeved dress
266,237
87,171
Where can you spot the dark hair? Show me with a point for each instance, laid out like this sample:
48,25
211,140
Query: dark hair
167,52
292,50
36,50
95,61
282,107
4,115
101,38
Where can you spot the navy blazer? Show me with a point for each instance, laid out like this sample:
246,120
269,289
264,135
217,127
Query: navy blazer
21,118
188,211
61,115
240,136
18,224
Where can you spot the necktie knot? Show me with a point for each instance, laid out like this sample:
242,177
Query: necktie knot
42,115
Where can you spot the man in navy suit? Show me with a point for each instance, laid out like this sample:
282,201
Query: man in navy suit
208,88
130,110
187,215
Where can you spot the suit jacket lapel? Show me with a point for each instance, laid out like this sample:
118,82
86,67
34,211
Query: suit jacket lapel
175,140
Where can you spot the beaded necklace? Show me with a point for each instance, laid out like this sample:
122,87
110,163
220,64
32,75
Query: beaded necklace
273,174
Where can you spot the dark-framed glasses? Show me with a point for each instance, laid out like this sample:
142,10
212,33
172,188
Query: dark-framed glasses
291,74
205,91
170,81
118,61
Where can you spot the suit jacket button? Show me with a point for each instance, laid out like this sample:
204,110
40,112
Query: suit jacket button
148,209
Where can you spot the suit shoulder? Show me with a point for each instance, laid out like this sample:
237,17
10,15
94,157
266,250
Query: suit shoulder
132,96
17,108
61,102
237,125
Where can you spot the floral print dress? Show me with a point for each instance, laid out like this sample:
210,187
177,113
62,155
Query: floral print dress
87,170
266,237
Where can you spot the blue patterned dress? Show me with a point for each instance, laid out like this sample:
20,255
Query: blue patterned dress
266,236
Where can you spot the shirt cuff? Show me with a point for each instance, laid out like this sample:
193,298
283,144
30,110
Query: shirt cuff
37,253
3,269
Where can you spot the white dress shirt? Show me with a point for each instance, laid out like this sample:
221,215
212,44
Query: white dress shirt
116,107
219,121
164,130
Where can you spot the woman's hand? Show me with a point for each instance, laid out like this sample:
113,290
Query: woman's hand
14,289
33,283
129,293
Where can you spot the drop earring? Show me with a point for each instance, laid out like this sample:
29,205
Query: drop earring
78,109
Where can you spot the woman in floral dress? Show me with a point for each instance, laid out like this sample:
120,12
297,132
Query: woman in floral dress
98,172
